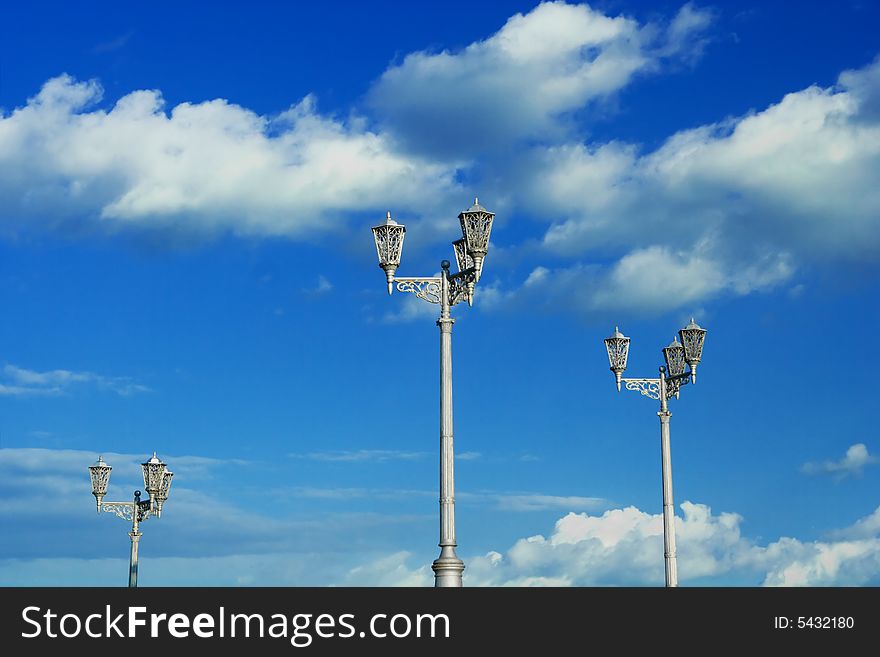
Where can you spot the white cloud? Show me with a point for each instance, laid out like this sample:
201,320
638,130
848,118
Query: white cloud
796,176
852,464
389,571
622,546
411,309
525,80
625,547
24,382
729,208
537,502
361,455
644,281
200,168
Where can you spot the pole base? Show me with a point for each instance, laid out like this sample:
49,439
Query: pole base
447,569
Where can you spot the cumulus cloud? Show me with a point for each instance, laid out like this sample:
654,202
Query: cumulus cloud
47,491
199,168
17,381
624,547
852,464
738,206
798,175
729,208
524,81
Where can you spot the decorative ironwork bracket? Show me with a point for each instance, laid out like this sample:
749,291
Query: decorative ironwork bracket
461,285
647,387
675,383
651,387
427,289
125,510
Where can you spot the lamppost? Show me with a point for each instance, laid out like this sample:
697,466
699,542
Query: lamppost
445,290
669,384
157,482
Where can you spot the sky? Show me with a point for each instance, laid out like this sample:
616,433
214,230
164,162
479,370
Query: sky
187,267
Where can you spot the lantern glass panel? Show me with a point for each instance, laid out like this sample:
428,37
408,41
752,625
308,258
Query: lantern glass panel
154,470
389,242
476,226
692,338
617,345
674,356
100,476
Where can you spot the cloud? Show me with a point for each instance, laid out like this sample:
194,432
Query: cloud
198,169
113,44
361,455
323,286
852,464
734,207
644,281
359,493
411,309
731,208
46,493
526,80
624,547
536,502
391,570
24,382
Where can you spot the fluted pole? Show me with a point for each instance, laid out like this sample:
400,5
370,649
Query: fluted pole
135,536
447,567
668,504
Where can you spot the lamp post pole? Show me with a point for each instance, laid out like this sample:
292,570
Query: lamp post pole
135,536
672,377
447,567
668,504
157,481
445,290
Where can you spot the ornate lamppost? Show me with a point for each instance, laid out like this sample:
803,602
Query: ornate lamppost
672,378
157,482
445,290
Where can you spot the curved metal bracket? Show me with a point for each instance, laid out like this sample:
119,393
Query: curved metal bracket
647,387
126,510
461,286
427,289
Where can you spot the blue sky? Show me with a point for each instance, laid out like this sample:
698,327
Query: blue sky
186,266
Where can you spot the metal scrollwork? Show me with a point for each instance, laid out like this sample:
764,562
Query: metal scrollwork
424,288
125,510
674,384
647,387
460,286
122,510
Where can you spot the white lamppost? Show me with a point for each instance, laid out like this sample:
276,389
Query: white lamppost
669,384
157,482
445,290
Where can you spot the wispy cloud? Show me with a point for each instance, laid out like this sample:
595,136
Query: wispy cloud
537,502
852,464
323,286
359,493
361,455
113,44
17,381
